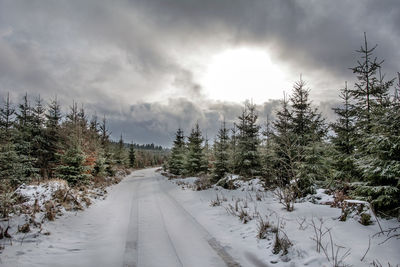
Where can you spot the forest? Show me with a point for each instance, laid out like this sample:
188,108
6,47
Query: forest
356,156
38,143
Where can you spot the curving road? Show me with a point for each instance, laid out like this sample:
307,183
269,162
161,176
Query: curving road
139,224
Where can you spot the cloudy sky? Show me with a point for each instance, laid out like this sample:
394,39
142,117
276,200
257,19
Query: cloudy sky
154,65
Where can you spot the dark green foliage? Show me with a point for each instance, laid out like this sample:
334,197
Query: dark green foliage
343,145
132,156
305,122
377,131
309,128
379,162
36,144
119,154
233,150
267,155
109,162
23,139
53,137
104,133
99,169
248,161
221,154
195,161
72,168
284,147
370,90
177,158
7,112
12,168
39,139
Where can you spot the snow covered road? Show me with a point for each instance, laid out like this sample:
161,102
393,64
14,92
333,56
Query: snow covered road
139,224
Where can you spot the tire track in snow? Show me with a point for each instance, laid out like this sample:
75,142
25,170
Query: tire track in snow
166,230
131,245
214,244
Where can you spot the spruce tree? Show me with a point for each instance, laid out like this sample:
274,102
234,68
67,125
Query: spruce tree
309,128
369,89
105,143
53,137
11,164
249,163
376,140
12,168
306,122
23,139
286,154
343,145
267,154
195,161
233,150
379,161
221,154
132,156
177,158
7,112
39,141
119,154
72,168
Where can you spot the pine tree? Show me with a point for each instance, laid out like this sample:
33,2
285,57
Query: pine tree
195,162
309,128
53,137
23,139
12,168
38,140
267,154
132,156
72,116
7,112
221,154
343,145
379,161
72,168
377,133
370,90
208,155
120,152
177,158
11,164
105,143
99,169
249,163
94,124
286,154
104,133
307,123
233,150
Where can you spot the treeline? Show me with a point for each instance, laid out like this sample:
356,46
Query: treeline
358,154
38,142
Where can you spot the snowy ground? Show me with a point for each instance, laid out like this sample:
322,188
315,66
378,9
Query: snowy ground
147,220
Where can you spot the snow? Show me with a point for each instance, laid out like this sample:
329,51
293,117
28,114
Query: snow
147,220
41,193
354,201
240,239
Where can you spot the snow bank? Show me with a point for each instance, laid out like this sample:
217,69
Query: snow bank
40,193
233,217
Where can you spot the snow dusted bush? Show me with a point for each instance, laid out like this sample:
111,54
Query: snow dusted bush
262,228
202,183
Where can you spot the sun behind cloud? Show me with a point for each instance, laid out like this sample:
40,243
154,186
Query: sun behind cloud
244,73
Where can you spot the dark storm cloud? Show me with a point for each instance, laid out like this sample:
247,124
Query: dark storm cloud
125,58
159,121
308,34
